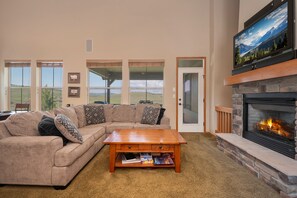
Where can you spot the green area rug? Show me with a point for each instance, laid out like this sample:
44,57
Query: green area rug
205,172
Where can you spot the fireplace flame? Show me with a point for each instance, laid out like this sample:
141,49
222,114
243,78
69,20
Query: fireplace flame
275,126
270,123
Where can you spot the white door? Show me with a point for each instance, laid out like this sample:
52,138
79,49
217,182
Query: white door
190,99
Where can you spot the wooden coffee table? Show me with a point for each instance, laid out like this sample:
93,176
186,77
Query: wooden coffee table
146,141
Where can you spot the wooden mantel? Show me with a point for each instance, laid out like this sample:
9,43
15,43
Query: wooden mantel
288,68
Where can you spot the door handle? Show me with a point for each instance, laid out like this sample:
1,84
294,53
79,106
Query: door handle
179,104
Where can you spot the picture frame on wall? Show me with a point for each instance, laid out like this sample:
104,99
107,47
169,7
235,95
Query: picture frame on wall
74,78
74,92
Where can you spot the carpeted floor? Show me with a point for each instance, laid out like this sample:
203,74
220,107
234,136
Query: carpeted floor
206,172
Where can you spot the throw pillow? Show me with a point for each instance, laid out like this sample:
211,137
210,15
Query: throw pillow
94,114
140,108
69,112
67,128
161,114
150,115
47,127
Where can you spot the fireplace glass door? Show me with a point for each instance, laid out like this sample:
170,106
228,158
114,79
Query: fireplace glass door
274,121
270,122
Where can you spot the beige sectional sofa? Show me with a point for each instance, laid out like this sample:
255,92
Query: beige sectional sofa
30,159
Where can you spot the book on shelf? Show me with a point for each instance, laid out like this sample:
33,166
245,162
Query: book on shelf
129,158
163,159
146,158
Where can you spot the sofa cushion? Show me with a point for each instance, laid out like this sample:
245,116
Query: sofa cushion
47,127
149,126
98,130
119,125
94,114
123,113
67,128
107,112
69,112
72,151
81,116
150,115
161,114
24,124
4,133
139,110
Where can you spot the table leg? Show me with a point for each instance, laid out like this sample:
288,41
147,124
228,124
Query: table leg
177,158
112,156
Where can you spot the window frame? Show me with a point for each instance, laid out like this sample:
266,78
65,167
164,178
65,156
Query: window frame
92,64
9,84
52,87
145,65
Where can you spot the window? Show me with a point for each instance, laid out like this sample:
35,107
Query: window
105,81
51,84
146,81
19,83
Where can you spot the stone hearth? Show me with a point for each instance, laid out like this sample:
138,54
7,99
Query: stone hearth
275,169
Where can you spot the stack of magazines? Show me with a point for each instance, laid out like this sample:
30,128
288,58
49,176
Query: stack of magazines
165,158
129,158
146,158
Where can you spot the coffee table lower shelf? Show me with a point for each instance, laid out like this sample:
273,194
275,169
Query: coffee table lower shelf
118,163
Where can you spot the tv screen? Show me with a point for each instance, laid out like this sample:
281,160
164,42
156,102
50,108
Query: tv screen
267,36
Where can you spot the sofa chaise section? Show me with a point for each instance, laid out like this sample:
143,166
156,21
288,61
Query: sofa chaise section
42,160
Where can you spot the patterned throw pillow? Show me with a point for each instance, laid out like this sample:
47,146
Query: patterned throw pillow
150,115
94,114
67,128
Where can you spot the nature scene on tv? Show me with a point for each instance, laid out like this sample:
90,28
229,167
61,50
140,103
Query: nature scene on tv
263,38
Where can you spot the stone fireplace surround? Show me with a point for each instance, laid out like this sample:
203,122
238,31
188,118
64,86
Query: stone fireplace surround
273,168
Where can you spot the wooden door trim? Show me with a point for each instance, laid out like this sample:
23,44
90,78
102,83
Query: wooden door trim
204,90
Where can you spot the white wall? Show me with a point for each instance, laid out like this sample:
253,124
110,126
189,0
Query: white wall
248,8
223,27
130,29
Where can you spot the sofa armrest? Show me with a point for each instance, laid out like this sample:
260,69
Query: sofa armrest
28,159
165,121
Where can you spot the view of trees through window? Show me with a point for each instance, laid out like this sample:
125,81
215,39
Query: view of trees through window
146,84
105,85
51,87
19,86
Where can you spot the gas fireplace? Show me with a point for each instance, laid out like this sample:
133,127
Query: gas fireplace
269,120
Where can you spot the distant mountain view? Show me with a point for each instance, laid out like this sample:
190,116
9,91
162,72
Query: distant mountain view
264,37
135,97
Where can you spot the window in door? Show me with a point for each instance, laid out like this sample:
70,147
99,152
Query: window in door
190,101
146,81
19,83
51,84
105,81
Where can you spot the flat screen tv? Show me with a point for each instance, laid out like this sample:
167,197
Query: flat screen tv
270,35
